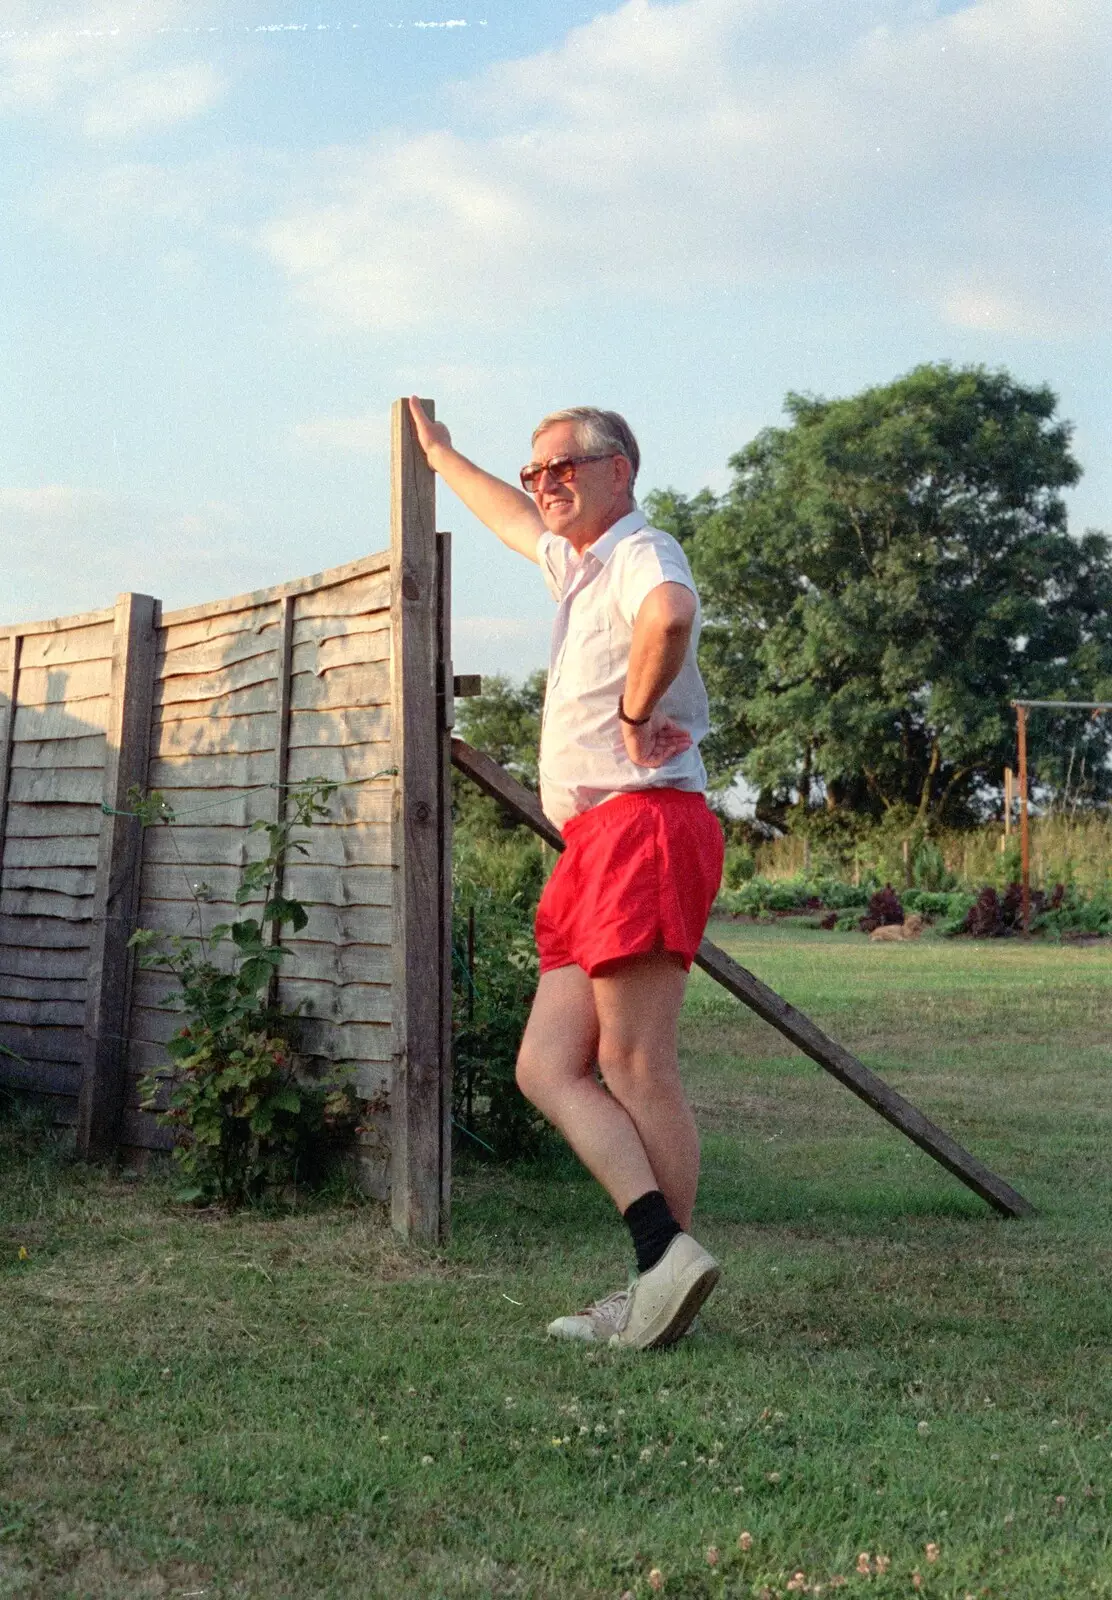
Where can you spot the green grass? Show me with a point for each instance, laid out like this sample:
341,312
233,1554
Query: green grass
268,1406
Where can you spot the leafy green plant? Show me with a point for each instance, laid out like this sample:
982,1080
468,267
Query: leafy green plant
246,1115
495,973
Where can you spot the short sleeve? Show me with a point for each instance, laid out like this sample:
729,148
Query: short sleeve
648,559
552,557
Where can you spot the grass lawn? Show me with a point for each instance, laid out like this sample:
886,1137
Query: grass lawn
264,1406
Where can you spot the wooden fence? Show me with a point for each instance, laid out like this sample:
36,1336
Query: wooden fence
345,676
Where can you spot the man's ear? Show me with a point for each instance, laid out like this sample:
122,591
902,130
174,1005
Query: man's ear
624,471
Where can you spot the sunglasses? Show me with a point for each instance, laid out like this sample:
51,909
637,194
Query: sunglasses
561,468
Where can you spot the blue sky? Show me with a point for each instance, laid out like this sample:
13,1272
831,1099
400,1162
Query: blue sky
234,232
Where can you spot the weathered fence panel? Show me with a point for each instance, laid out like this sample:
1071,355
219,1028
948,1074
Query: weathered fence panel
55,700
220,707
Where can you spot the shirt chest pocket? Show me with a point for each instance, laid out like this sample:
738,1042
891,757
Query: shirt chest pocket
588,661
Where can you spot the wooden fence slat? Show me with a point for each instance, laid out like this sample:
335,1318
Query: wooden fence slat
52,822
40,1077
321,630
213,701
42,932
349,650
19,1011
366,725
57,1044
343,689
9,688
211,736
44,877
219,620
46,903
415,1100
26,961
56,850
71,786
802,1032
63,684
210,655
84,750
33,723
117,878
217,681
70,645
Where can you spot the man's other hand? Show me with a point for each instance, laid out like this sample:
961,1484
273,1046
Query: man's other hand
655,742
431,436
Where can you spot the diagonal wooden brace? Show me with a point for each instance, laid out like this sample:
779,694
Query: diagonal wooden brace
768,1005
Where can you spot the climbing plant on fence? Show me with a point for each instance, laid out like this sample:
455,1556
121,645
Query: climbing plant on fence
246,1115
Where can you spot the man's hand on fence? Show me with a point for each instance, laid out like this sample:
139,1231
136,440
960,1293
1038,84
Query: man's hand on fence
431,435
655,742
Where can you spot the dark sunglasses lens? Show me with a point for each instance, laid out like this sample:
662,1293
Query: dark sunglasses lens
561,468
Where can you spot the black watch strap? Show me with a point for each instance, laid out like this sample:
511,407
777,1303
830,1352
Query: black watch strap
634,722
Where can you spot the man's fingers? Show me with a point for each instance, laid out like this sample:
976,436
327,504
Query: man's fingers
429,433
420,418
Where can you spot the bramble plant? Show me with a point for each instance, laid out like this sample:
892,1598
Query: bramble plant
246,1116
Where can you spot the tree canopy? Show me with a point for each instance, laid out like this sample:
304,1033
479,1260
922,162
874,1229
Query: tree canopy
882,578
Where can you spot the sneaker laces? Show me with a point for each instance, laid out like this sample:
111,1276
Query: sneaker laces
611,1310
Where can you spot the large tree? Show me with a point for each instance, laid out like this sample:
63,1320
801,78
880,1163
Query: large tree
883,577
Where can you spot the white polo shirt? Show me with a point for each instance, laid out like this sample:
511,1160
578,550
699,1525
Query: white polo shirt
583,759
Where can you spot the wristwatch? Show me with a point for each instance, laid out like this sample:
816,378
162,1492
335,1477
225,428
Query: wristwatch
634,722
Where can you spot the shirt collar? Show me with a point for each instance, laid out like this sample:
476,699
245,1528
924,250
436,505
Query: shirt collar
604,546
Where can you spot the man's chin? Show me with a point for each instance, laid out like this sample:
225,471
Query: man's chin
558,518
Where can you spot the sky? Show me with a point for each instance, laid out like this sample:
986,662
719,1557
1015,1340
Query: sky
235,230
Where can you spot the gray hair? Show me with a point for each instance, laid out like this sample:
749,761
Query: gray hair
604,431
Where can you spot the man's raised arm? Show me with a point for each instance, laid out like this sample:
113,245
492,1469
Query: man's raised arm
507,512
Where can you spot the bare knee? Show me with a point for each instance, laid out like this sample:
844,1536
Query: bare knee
530,1075
632,1071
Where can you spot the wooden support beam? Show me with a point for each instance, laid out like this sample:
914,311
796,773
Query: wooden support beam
796,1027
416,1136
116,893
877,1094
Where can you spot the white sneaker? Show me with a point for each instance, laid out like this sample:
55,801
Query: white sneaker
598,1324
665,1300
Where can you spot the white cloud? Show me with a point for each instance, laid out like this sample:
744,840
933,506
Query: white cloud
90,65
150,100
666,148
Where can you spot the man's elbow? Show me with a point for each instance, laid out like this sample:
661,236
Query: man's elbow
676,612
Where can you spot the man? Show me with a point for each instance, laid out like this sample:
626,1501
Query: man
624,910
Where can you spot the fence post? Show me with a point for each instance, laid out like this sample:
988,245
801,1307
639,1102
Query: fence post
116,892
416,1104
446,716
9,683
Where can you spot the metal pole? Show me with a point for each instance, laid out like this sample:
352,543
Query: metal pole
1024,844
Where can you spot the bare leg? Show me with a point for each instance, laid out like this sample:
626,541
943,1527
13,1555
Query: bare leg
556,1071
641,1135
638,1006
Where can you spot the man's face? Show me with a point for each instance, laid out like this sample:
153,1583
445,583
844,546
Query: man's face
593,501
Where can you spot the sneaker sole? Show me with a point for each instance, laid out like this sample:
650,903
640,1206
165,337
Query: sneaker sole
672,1322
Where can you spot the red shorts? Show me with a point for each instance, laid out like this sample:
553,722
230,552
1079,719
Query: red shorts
640,873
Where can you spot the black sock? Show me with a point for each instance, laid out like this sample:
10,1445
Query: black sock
652,1228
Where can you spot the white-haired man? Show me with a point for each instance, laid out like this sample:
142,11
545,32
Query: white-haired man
622,915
